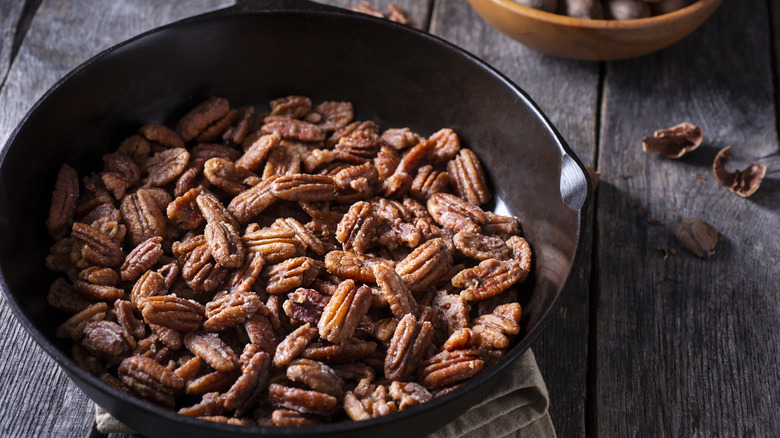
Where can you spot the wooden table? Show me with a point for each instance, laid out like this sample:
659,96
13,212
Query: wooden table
646,345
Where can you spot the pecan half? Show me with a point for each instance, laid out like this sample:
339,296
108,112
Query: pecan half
247,205
339,353
246,389
428,181
73,327
63,202
242,279
184,210
172,312
401,138
98,248
150,284
406,394
425,265
213,350
304,188
150,380
293,107
334,115
301,400
347,264
469,178
455,214
199,118
225,175
344,311
674,142
293,129
165,166
161,134
230,309
305,305
394,289
408,347
107,339
481,247
294,344
225,244
500,226
452,312
316,375
141,259
446,148
275,244
261,333
489,278
63,296
290,274
496,328
142,216
306,237
255,155
450,367
357,227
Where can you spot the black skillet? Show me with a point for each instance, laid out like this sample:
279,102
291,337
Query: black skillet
249,54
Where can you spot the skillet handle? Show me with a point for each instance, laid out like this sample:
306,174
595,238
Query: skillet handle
281,5
574,184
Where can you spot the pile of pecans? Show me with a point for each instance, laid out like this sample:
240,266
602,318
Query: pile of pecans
284,268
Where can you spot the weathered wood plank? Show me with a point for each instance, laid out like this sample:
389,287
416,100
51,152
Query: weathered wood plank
686,346
567,91
37,398
10,18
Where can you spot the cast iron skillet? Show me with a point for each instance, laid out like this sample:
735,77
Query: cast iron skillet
249,54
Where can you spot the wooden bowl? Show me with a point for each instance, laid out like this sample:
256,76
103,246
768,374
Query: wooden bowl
592,40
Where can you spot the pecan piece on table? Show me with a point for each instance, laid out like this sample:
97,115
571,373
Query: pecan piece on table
469,178
172,312
357,227
696,236
63,202
450,367
344,311
294,344
316,375
230,309
455,214
425,265
150,380
395,291
489,278
213,350
408,347
141,258
481,247
301,400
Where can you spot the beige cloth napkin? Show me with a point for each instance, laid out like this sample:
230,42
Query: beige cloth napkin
517,408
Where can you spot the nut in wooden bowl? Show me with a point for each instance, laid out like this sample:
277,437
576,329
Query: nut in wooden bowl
592,39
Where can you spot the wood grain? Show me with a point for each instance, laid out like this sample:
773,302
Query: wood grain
689,347
62,35
10,17
567,91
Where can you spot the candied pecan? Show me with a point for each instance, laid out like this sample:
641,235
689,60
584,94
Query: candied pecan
240,129
201,272
211,404
230,309
172,312
73,328
495,328
294,344
150,380
316,375
94,194
225,175
334,115
306,237
64,256
347,264
165,166
242,279
395,291
357,227
360,146
408,347
63,202
211,382
142,216
469,178
255,155
406,394
98,292
213,350
207,151
247,205
355,408
397,185
452,312
742,182
317,158
290,274
427,182
64,297
213,210
98,248
501,226
247,388
674,142
114,184
261,333
454,213
447,145
305,305
275,244
293,129
344,311
481,247
150,284
521,251
425,265
487,279
99,276
225,244
301,400
304,188
339,353
401,138
282,160
289,418
386,161
450,367
463,338
367,128
126,318
214,131
189,367
142,258
106,339
199,118
161,134
355,182
136,147
123,166
293,107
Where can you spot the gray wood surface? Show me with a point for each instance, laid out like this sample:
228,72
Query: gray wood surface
685,346
10,19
